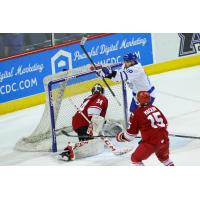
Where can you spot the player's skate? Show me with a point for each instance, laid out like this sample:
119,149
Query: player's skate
68,153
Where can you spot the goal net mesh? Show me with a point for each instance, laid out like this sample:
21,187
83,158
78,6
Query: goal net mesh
69,88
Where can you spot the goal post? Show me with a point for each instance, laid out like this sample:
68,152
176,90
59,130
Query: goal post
75,84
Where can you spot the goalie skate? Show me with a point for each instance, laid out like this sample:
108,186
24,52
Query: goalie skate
68,153
64,156
83,149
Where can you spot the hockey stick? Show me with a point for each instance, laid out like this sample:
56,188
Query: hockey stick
185,136
85,136
110,136
84,39
104,138
64,132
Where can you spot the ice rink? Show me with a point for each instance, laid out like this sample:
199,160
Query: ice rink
178,97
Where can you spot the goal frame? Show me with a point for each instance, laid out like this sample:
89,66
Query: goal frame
67,76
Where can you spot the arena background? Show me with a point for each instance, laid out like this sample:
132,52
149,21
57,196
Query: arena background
21,76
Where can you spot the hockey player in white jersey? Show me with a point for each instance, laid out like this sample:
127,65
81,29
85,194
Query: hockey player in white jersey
133,74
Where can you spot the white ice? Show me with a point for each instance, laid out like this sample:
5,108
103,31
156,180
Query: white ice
178,97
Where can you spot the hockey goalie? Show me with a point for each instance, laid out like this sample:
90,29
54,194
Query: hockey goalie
90,125
87,122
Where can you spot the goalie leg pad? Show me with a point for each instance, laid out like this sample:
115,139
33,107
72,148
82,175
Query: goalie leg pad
89,148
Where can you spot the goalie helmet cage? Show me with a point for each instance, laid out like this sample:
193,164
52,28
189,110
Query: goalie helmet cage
63,89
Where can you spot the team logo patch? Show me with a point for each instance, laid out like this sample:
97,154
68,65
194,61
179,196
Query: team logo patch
189,43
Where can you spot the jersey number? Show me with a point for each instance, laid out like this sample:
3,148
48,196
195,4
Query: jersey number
100,101
156,120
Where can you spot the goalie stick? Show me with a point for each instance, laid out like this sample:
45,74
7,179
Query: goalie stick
84,39
98,136
64,132
104,138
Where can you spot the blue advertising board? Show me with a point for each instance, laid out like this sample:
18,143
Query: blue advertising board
23,76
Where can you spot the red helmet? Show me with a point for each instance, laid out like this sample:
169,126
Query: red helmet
143,98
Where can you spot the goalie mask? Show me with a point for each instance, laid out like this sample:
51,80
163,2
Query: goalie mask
98,88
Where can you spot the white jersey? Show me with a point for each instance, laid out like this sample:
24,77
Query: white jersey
136,79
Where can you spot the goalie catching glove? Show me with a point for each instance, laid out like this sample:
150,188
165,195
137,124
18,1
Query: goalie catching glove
109,127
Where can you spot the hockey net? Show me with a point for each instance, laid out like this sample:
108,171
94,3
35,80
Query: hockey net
63,89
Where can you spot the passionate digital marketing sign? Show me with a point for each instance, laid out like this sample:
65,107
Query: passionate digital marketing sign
23,76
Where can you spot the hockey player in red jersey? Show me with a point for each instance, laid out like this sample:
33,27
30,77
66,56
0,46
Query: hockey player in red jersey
152,124
95,104
88,120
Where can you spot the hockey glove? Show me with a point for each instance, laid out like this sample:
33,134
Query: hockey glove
120,137
105,72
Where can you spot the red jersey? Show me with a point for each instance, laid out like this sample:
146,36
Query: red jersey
94,104
151,122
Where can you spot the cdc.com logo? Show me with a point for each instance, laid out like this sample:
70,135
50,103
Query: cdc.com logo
62,60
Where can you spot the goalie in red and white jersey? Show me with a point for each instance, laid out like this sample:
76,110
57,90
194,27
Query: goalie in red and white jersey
88,120
152,124
94,105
